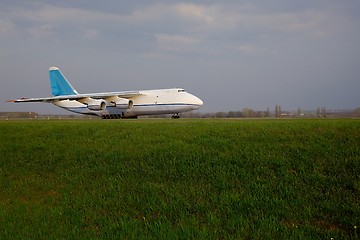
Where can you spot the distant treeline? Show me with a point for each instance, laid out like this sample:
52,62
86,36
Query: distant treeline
35,115
245,113
19,114
278,113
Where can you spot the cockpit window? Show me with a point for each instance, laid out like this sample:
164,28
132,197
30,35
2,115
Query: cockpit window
181,90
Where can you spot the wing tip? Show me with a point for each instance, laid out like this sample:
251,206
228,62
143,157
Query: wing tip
17,100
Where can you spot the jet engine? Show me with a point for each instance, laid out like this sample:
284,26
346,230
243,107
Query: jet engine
95,104
122,103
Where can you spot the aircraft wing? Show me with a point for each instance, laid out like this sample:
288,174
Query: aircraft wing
123,94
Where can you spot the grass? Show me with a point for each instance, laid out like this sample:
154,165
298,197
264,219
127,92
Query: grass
180,179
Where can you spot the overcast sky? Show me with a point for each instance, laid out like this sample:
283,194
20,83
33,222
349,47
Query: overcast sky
232,54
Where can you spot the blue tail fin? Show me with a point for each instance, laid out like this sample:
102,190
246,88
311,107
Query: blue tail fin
59,85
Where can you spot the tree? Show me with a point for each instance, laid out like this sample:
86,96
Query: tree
267,114
248,112
357,112
321,112
231,114
277,110
220,115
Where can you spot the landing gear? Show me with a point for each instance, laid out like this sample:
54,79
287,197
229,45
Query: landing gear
175,116
111,116
117,116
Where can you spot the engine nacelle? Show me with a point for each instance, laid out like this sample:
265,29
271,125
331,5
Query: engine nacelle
121,103
95,104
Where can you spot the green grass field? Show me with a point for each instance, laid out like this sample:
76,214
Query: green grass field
180,179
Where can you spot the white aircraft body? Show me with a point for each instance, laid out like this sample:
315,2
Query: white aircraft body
124,104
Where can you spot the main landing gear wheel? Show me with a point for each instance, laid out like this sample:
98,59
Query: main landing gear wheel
175,116
111,116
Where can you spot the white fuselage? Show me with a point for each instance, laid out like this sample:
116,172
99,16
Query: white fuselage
149,102
123,104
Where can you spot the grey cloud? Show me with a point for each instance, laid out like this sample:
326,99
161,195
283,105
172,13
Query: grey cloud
233,54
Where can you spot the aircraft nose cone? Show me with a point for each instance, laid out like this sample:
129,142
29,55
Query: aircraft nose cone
197,102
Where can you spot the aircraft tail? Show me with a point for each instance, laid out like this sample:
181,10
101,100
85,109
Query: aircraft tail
59,85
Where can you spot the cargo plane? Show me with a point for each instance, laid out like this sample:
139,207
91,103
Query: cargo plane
123,104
